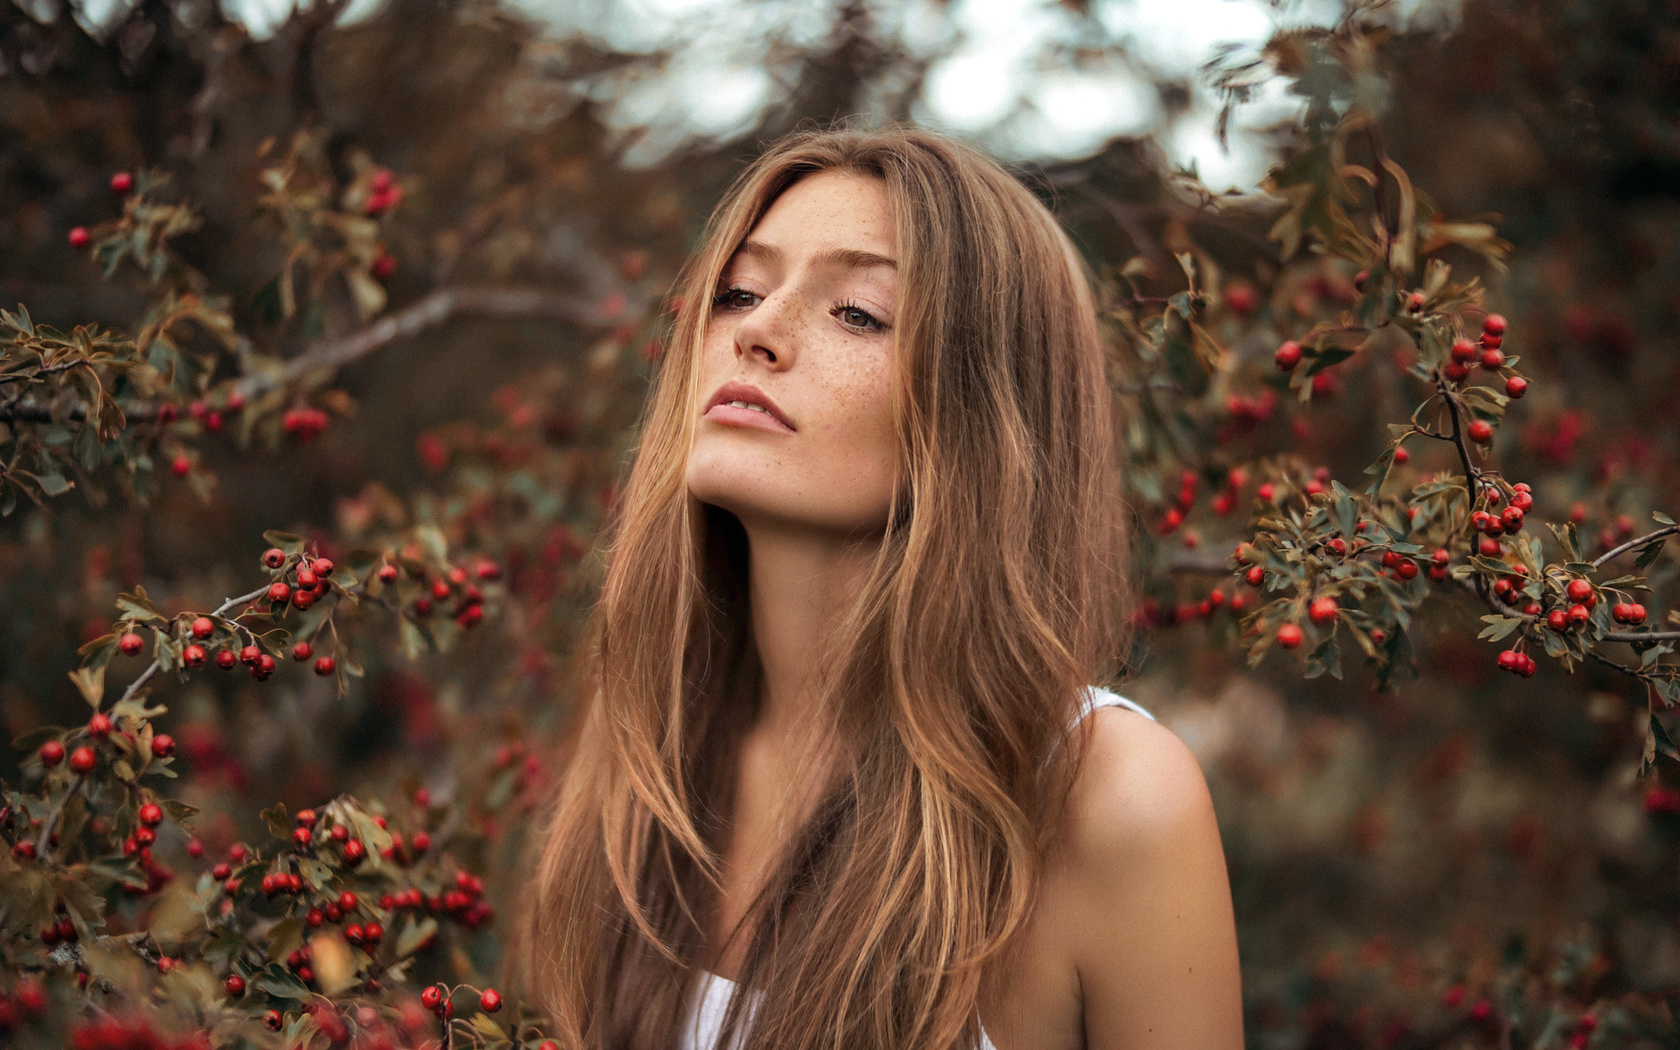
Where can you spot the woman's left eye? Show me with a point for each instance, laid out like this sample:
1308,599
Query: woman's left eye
853,316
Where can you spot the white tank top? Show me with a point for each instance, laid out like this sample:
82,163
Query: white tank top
705,1020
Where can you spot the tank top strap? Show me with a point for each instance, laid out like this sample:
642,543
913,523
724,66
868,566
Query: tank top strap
1096,696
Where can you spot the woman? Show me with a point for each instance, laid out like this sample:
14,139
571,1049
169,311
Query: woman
841,784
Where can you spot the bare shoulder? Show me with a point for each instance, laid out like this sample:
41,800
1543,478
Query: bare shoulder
1155,947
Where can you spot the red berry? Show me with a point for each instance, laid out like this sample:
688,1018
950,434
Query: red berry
235,985
82,760
122,182
306,578
180,466
226,658
1463,351
51,753
24,850
1442,556
1456,371
279,592
203,627
1407,569
384,265
1512,517
194,655
1289,636
274,557
1481,431
273,1020
322,567
303,599
301,838
1322,610
1636,614
1492,360
325,666
151,814
130,644
1494,324
1490,547
1255,576
99,726
354,851
347,901
263,668
490,1001
387,574
80,238
431,997
1491,342
489,570
1557,620
1516,386
302,651
1579,590
1288,355
1414,301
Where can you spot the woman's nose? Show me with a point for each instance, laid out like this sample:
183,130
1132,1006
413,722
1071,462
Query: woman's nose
769,330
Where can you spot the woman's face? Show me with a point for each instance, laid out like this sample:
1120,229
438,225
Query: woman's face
802,325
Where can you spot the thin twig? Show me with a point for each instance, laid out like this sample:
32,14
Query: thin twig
1638,541
43,845
429,311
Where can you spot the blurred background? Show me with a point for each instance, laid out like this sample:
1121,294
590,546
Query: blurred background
1455,857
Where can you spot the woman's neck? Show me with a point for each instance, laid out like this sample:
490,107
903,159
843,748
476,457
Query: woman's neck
799,583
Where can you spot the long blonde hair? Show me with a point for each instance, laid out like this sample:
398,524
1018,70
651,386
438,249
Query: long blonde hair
996,597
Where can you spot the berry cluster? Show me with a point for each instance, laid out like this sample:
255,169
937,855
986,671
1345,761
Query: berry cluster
304,424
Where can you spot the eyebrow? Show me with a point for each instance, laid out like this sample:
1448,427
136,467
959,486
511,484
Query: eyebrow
848,257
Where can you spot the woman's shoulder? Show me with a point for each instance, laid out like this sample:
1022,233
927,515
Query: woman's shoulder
1138,779
1147,898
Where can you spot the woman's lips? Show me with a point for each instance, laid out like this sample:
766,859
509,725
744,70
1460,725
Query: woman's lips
750,418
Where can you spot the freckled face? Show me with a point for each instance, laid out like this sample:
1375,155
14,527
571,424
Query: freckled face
804,313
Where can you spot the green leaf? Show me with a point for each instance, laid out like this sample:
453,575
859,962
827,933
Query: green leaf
138,606
284,540
91,682
1661,518
279,823
1498,626
277,981
413,935
1327,657
1566,538
54,484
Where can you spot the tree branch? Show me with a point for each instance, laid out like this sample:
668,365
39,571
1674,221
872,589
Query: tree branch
429,311
1638,541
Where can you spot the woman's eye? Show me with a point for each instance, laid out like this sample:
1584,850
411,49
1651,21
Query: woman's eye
857,317
730,298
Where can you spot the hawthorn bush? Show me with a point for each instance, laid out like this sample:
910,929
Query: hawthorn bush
315,398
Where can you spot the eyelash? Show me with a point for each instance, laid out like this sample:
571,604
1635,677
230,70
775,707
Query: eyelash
720,301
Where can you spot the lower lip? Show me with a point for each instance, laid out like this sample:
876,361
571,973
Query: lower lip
731,416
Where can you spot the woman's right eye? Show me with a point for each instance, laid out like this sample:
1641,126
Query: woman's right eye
732,298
